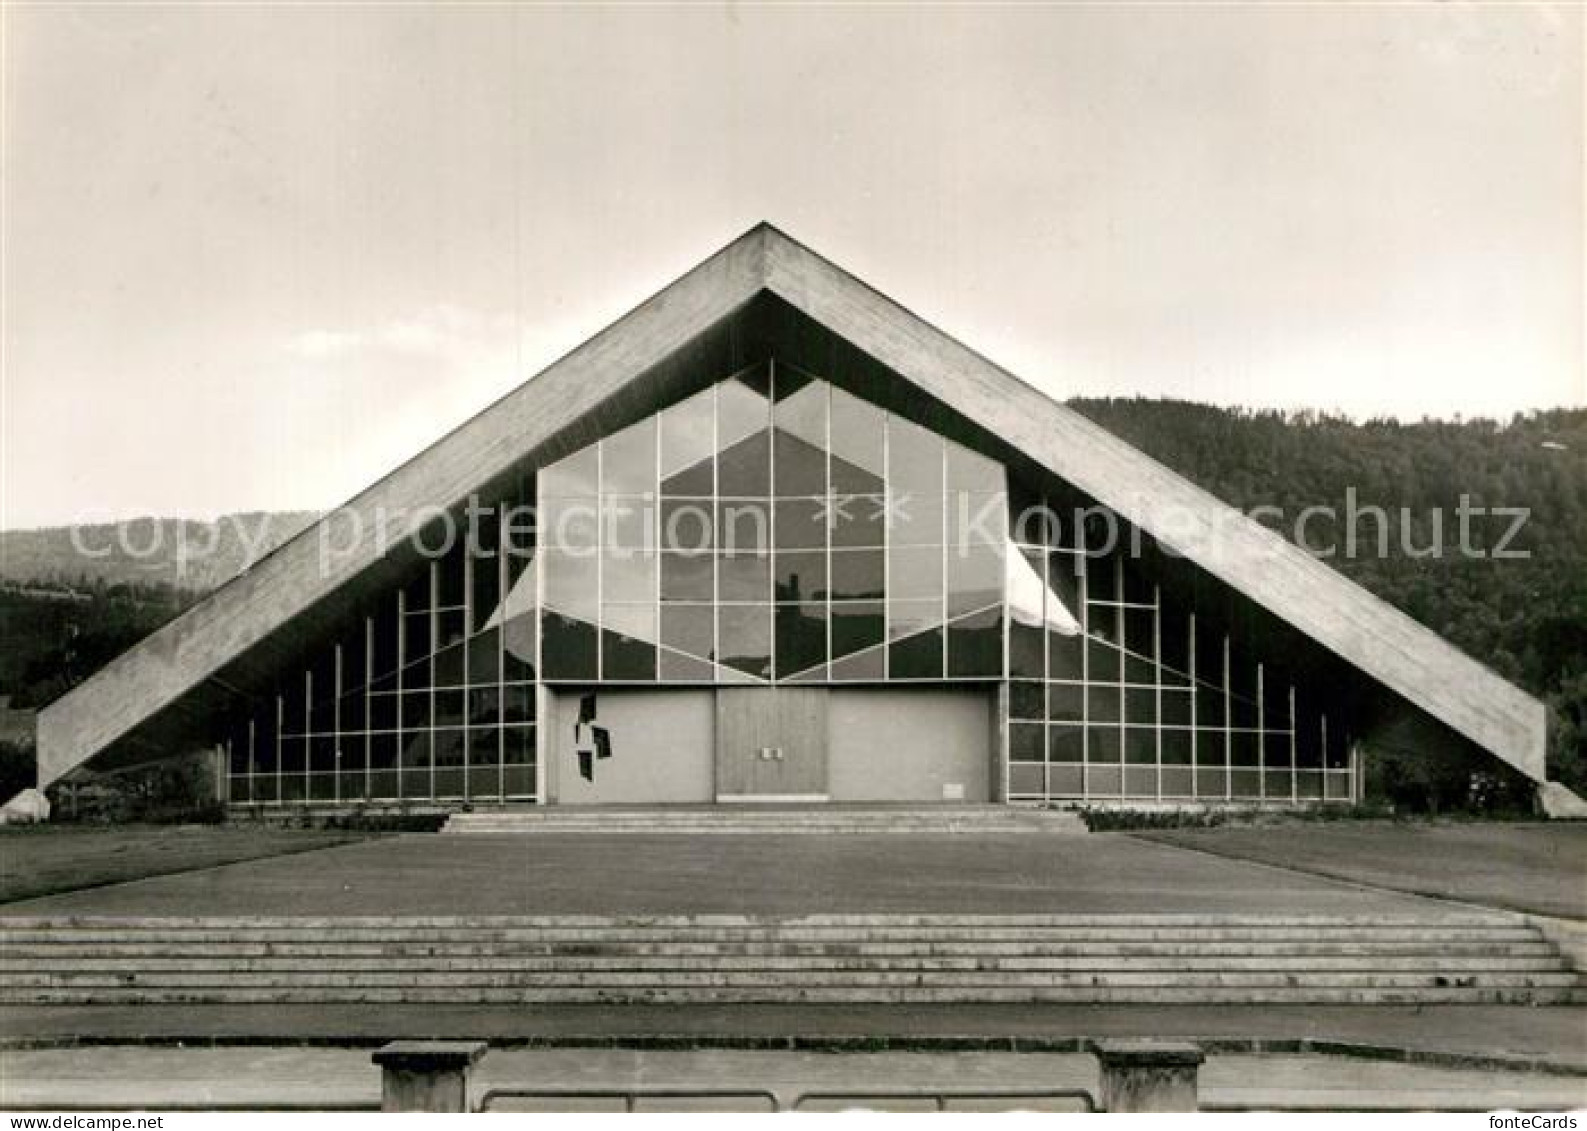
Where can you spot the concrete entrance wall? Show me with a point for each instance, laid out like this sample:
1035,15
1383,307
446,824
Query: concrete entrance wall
662,745
883,744
909,744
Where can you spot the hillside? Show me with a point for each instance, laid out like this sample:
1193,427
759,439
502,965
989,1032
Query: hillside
180,553
1525,617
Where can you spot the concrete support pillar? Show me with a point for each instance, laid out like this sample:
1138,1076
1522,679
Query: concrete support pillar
1142,1075
426,1075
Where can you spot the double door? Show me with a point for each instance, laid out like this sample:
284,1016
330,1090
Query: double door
771,744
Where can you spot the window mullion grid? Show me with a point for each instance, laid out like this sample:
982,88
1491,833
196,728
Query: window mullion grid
503,580
369,707
771,516
1119,614
1082,576
1261,732
1294,750
1157,679
402,701
1228,725
466,792
435,637
1195,733
336,728
281,715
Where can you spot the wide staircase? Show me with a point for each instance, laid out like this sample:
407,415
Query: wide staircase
782,820
1471,958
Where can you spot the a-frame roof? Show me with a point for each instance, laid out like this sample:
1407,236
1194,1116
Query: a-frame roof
1372,636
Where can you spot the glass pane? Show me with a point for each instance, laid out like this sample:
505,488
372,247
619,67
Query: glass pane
857,574
744,525
688,442
800,452
1065,701
855,626
628,460
971,471
571,523
625,576
978,519
975,645
1026,780
689,628
914,519
744,469
1102,704
914,458
1027,699
1026,742
801,524
801,469
975,578
857,445
569,648
916,657
906,618
688,524
915,573
801,638
743,436
745,634
627,658
1065,744
629,522
858,520
743,577
571,581
868,665
801,575
638,621
686,577
575,475
678,668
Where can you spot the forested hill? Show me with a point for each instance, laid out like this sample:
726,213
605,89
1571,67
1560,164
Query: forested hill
1524,617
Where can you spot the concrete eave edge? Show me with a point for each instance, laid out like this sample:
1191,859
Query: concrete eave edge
1370,634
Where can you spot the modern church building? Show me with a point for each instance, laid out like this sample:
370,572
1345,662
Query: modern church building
772,537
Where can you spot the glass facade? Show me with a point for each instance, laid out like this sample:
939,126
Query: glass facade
773,528
427,695
1115,694
776,528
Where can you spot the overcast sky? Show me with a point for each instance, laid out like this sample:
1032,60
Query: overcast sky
255,257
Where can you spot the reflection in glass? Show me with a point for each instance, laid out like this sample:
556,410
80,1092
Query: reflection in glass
628,460
744,632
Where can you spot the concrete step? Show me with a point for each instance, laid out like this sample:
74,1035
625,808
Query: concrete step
1170,951
1097,963
820,976
786,820
1438,920
838,995
915,936
1471,957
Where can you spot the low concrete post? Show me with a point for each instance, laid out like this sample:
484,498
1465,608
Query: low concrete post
426,1075
1142,1075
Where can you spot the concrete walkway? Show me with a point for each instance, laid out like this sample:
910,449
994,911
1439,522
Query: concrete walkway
154,1078
1555,1037
1102,874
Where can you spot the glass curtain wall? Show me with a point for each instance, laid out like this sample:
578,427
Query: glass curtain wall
1115,694
427,695
773,528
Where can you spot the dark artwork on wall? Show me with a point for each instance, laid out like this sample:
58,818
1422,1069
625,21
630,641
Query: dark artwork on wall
600,739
